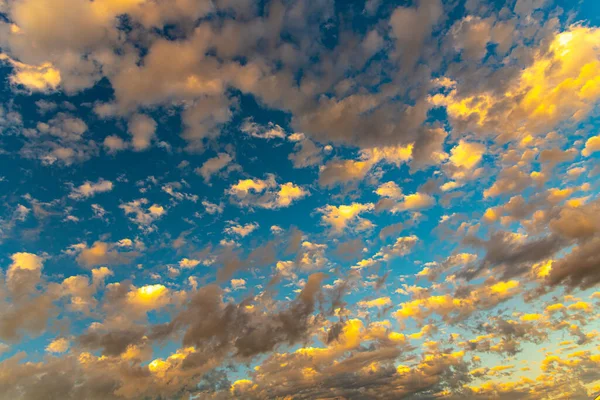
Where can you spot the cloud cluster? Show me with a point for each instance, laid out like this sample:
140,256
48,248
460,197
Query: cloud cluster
265,193
375,201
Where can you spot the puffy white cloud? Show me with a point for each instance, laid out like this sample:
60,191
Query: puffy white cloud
466,154
114,143
143,216
266,193
188,263
390,190
25,270
89,189
149,297
592,145
341,217
59,345
241,230
36,78
142,128
102,253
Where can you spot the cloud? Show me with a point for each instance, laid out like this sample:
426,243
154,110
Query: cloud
143,216
350,249
59,345
379,303
28,315
254,333
25,262
89,189
394,201
265,193
188,263
172,189
469,125
100,274
149,297
306,154
558,86
344,171
466,154
339,218
270,131
578,268
452,308
25,272
114,143
390,190
416,201
241,230
311,256
212,208
60,140
577,222
286,269
428,149
142,128
35,78
187,73
104,253
509,181
402,246
592,145
238,284
213,165
336,172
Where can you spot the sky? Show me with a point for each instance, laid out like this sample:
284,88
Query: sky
293,199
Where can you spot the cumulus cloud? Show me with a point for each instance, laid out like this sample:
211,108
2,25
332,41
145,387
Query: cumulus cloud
241,230
114,143
142,129
462,130
536,101
188,263
464,157
213,166
149,297
390,190
59,345
103,253
306,154
265,193
142,215
60,140
238,284
35,78
270,131
343,171
89,189
212,208
25,271
592,145
341,217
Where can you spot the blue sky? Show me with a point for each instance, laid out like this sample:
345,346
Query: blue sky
299,200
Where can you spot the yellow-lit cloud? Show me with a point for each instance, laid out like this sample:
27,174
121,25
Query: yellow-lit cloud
149,297
59,345
340,217
562,83
38,78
